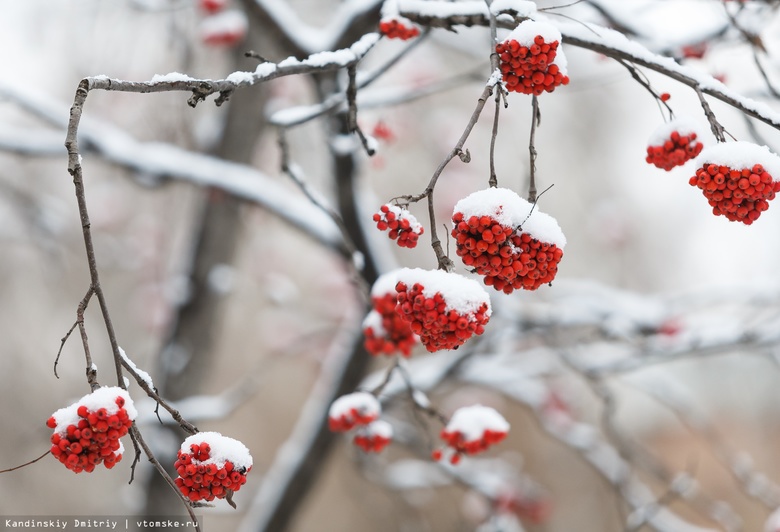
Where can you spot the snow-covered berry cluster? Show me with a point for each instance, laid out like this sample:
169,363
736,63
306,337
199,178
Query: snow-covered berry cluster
402,225
87,432
397,27
385,331
497,234
444,309
530,60
374,437
211,466
737,178
472,430
361,411
673,144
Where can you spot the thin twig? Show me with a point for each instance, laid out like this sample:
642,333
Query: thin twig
352,109
717,129
640,78
536,119
25,464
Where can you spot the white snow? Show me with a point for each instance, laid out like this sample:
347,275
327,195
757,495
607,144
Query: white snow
403,214
265,69
441,9
141,373
773,522
460,293
365,404
223,449
526,31
739,155
379,428
165,78
385,284
683,125
101,398
472,422
510,210
232,21
523,8
374,320
240,77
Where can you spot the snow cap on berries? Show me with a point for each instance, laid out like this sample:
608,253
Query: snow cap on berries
740,154
385,284
683,125
473,421
674,143
739,179
105,397
375,436
224,28
525,34
358,408
510,210
461,294
221,450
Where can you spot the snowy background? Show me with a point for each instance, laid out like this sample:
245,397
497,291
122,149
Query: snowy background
640,241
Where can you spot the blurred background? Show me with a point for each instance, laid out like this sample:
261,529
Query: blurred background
642,385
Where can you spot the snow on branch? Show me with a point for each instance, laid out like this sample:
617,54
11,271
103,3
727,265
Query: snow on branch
593,37
203,88
168,161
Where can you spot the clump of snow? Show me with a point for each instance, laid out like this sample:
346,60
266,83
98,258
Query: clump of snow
265,69
385,284
233,21
101,398
460,293
403,214
739,155
223,449
141,373
171,77
240,77
374,320
440,9
472,422
523,8
527,30
510,210
380,428
683,125
363,402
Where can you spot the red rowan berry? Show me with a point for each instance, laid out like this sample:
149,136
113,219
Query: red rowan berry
402,225
358,408
206,459
530,59
673,144
472,430
397,27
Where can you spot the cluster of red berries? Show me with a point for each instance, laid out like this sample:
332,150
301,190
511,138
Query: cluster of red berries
675,151
472,430
741,195
374,437
201,477
507,258
386,332
361,410
530,67
398,28
92,437
403,226
439,326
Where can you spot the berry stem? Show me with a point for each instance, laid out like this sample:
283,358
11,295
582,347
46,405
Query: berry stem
717,129
640,78
536,119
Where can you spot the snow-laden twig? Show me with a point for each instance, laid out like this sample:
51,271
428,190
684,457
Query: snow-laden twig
611,43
